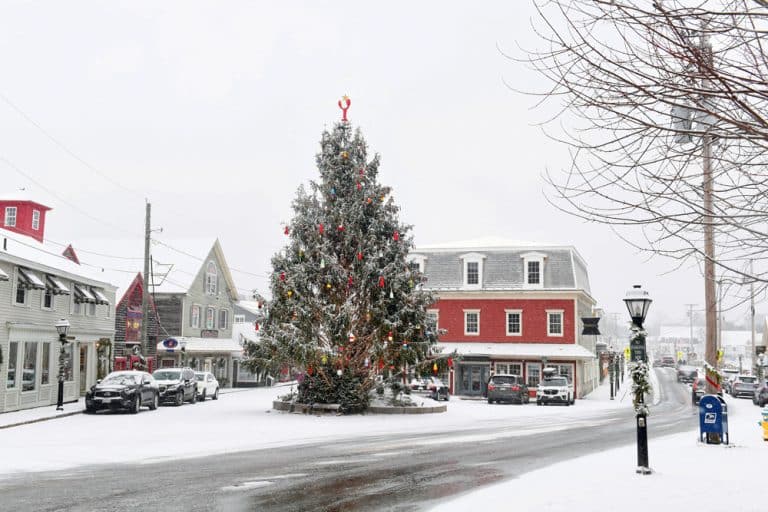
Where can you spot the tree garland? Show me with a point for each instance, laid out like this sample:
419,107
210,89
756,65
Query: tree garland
638,371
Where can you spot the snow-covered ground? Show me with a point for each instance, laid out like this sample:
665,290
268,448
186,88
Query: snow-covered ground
687,475
244,420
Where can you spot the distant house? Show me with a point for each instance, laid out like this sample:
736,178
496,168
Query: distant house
510,307
38,287
128,326
245,330
195,305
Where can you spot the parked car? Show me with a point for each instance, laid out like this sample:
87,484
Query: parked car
129,390
686,374
418,384
555,389
729,375
744,385
667,362
177,385
507,388
760,396
699,389
207,386
437,390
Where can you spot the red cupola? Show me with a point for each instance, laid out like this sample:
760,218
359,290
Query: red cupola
24,217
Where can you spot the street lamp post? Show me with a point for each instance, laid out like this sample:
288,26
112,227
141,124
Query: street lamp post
62,326
638,301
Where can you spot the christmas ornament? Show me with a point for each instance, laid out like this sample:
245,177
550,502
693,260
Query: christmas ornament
383,197
367,362
359,256
391,294
309,370
324,359
410,282
389,336
352,338
369,200
381,281
391,367
282,276
450,362
256,326
333,191
396,236
290,293
261,304
381,365
328,286
368,316
344,104
434,368
341,227
362,171
405,343
344,155
321,229
349,281
339,372
359,186
322,262
286,230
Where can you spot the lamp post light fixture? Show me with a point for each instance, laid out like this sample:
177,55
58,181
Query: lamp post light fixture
638,301
62,326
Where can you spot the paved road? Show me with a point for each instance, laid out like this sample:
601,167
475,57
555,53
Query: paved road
400,473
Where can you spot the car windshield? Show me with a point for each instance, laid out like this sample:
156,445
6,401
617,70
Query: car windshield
556,381
503,379
167,374
200,376
748,380
121,379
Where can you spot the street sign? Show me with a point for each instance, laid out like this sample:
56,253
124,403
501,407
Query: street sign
637,349
626,353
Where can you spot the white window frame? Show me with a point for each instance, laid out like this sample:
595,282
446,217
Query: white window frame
528,368
471,312
15,291
212,324
239,319
532,257
509,312
8,216
225,312
211,278
43,293
36,220
418,259
193,324
472,257
550,313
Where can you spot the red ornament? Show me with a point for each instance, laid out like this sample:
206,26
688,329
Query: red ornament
321,228
389,336
391,367
349,281
450,362
381,365
341,227
282,276
381,281
286,230
396,236
359,186
256,325
359,256
309,370
344,104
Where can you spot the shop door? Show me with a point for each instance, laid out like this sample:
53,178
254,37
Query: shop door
83,369
473,379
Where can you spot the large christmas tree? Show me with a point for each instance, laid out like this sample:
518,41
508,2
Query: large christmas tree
346,307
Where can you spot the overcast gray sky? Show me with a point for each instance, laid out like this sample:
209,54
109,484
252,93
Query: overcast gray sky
213,111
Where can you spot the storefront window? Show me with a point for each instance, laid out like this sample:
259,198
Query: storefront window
46,369
29,373
12,352
566,370
534,374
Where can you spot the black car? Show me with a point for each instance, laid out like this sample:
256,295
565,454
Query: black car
686,374
507,388
177,385
123,390
760,396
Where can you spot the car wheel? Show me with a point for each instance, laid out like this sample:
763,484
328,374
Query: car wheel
155,402
193,400
567,402
216,394
89,409
179,398
538,402
202,397
136,405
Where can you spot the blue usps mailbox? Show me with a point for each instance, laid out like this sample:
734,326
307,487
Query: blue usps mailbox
713,419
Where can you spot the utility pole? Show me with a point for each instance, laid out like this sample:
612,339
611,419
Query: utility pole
690,317
145,295
753,356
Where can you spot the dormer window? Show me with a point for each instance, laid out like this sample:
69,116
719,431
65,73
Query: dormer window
417,262
36,220
473,270
10,216
533,270
210,278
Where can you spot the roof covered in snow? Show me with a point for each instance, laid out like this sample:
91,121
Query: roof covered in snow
518,350
199,345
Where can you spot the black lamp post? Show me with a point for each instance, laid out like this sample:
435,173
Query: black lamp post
62,326
638,301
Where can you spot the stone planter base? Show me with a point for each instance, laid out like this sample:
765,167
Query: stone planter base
279,405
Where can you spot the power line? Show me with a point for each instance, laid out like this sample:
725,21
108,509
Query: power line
263,275
79,250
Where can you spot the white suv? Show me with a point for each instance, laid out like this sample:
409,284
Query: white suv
207,386
555,389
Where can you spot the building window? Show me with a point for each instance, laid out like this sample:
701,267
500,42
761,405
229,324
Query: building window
534,272
194,317
47,299
91,309
533,371
471,322
10,216
12,352
564,370
36,220
29,370
514,322
554,323
533,269
21,292
210,318
433,316
45,377
210,278
223,319
77,308
473,270
239,319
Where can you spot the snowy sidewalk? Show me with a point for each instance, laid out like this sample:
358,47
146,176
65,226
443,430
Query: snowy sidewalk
686,475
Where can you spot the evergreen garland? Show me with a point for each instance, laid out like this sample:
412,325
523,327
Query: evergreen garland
638,371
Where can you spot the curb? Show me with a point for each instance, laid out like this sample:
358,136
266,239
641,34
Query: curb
38,420
279,405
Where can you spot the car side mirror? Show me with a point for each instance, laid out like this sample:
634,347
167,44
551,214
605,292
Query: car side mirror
98,381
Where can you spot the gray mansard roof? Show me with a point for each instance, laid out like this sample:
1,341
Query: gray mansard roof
502,268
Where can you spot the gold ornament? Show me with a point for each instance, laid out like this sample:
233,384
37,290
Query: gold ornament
328,285
344,155
290,293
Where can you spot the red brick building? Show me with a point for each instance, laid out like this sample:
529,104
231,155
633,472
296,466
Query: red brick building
507,307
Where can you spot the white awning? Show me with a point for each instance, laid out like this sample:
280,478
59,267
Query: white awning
83,294
518,350
30,279
201,345
100,297
56,285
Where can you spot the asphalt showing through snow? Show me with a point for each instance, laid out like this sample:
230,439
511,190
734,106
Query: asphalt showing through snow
397,472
